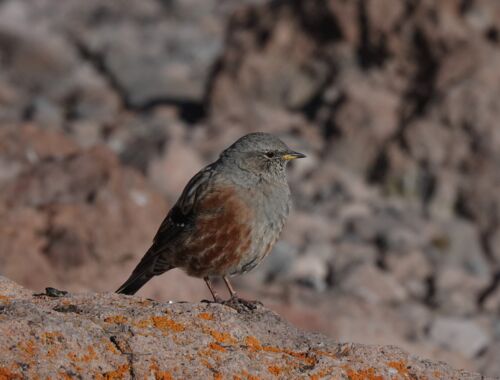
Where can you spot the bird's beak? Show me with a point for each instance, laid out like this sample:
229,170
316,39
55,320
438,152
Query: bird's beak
292,155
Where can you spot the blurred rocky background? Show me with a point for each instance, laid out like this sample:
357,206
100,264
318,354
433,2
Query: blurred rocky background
108,108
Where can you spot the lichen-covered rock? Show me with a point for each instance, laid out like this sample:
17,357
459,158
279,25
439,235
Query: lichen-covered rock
109,336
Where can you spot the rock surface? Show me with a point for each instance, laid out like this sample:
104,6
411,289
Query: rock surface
109,336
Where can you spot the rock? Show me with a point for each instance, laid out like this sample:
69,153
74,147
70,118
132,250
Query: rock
277,265
457,291
174,170
343,316
77,215
373,285
310,270
493,240
306,226
365,118
462,248
391,227
348,256
108,335
490,365
404,96
149,51
459,334
491,301
412,271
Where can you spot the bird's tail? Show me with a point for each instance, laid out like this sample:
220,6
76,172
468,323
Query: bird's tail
134,283
152,264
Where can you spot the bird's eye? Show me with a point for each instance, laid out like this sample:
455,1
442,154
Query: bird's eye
270,154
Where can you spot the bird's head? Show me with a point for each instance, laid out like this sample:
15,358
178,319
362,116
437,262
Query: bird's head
261,154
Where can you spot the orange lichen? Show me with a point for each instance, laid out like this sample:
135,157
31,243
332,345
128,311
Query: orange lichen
162,323
217,347
65,376
159,375
51,353
207,364
253,343
249,376
163,375
326,353
304,356
309,360
363,374
28,347
206,316
51,337
181,340
319,375
89,356
165,324
438,374
275,370
7,374
222,337
117,319
143,323
218,376
4,298
111,347
211,354
117,374
271,349
401,367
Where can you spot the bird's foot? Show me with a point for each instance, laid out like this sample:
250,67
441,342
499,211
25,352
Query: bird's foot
241,304
216,300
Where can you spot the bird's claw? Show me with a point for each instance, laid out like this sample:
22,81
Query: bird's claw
216,300
241,304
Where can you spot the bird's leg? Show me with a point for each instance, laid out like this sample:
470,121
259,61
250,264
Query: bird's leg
236,301
229,287
217,299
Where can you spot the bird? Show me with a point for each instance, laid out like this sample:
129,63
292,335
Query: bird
227,219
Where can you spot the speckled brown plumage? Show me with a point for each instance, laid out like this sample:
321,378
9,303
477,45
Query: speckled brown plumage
220,238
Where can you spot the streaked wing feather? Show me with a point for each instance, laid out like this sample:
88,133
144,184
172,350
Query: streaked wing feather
180,218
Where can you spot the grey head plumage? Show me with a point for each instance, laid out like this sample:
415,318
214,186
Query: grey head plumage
261,155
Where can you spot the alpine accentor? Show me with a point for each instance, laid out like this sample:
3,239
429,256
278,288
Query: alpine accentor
228,217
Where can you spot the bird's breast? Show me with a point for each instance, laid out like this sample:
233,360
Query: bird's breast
221,236
235,229
271,208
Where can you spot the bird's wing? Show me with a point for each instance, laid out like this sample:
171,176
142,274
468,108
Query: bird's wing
179,220
180,217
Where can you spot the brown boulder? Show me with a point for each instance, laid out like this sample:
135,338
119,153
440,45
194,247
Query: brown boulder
78,216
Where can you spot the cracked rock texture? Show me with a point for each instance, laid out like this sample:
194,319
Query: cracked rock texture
108,336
